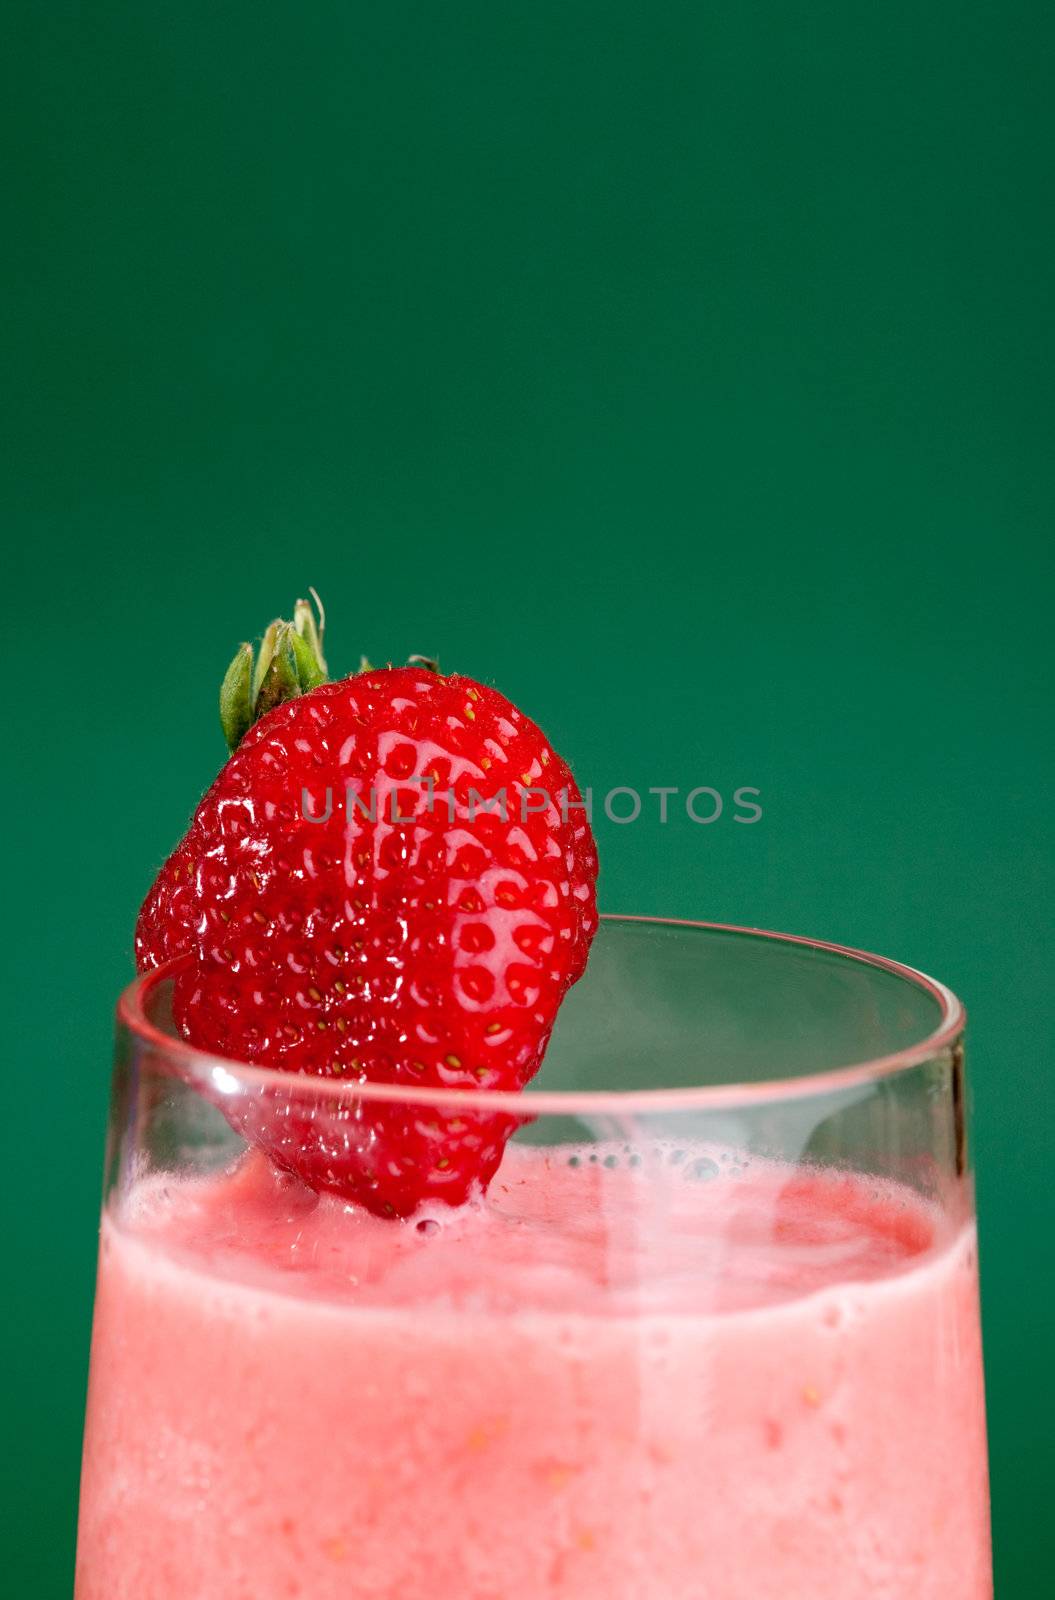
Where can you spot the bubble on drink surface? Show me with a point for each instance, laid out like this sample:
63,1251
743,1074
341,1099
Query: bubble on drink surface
436,1217
702,1170
616,1158
686,1163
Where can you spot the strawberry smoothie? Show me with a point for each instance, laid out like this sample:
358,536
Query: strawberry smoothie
649,1374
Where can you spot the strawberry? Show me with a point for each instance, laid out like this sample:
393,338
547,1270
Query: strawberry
391,881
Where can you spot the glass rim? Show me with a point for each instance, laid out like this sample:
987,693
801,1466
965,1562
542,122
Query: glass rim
203,1065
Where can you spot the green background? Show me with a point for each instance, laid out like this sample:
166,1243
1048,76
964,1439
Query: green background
686,369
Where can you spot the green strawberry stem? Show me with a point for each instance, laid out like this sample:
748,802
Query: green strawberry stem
290,663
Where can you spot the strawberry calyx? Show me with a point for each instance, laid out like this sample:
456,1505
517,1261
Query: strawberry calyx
290,662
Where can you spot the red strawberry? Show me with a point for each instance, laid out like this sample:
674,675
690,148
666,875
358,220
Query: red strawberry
416,934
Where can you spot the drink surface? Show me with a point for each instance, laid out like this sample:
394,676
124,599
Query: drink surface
606,1380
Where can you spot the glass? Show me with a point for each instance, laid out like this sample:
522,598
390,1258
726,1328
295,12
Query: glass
713,1332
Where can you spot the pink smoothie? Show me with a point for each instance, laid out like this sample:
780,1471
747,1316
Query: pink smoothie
667,1377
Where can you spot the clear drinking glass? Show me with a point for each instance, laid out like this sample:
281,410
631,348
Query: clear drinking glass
713,1334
